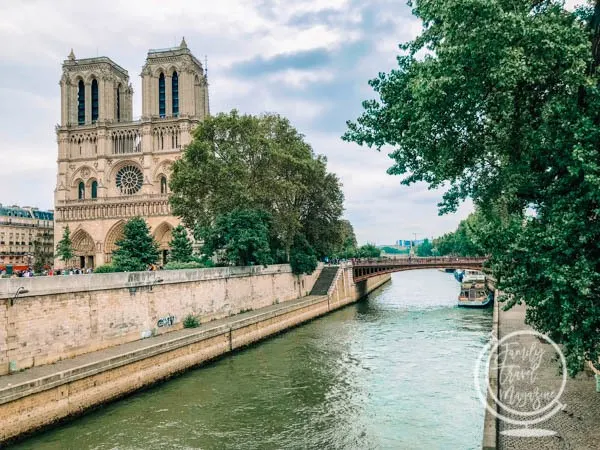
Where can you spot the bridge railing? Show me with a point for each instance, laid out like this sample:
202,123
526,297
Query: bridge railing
446,260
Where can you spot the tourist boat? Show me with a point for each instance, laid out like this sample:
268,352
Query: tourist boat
464,276
475,297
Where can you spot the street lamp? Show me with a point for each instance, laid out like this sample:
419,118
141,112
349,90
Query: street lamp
155,282
20,290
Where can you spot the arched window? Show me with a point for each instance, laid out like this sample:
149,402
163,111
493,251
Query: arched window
175,90
94,100
94,189
163,185
119,103
81,103
81,191
161,95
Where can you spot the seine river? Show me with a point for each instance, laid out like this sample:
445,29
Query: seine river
391,372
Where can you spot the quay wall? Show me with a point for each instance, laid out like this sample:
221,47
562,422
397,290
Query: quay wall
55,318
46,400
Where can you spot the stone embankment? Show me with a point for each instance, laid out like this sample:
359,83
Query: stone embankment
54,318
46,394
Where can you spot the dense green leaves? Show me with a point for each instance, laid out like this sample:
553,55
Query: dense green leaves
181,246
137,250
240,237
498,100
260,163
302,256
64,248
425,249
466,240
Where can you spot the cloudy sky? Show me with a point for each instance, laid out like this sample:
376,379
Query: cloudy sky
309,60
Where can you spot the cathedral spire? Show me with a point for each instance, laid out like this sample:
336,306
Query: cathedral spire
183,43
72,55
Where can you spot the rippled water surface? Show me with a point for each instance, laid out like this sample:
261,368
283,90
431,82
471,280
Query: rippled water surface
391,372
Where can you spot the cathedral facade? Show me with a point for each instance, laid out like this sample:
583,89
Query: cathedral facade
112,167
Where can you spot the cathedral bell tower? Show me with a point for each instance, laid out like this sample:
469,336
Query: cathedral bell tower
174,84
94,90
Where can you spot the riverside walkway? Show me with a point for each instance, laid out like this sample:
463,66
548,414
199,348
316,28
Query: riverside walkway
576,426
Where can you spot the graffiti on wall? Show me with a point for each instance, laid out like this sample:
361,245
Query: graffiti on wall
166,321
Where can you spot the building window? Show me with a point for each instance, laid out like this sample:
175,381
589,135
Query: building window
94,189
175,89
81,191
163,185
94,100
119,103
81,103
161,95
129,180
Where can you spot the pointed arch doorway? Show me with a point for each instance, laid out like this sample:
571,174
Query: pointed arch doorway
163,236
84,249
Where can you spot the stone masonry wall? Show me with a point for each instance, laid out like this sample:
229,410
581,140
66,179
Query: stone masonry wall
65,316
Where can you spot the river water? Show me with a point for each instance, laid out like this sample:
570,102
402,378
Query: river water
394,371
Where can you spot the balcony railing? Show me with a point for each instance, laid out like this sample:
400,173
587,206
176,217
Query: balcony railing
121,199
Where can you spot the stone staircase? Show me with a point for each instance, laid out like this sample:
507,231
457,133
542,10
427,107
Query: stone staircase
321,286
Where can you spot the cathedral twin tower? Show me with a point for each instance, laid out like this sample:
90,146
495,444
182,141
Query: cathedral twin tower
112,167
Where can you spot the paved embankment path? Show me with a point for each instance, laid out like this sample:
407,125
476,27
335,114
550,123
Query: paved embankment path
578,424
37,378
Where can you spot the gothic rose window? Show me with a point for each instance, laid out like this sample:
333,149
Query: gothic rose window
129,180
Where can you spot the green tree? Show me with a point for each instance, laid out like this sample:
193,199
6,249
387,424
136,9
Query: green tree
240,237
369,251
64,248
303,258
425,248
263,163
137,250
41,258
181,246
467,239
503,108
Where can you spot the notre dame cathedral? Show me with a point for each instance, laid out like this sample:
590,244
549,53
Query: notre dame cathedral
112,167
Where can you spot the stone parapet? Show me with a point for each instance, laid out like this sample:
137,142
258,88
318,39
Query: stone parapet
44,395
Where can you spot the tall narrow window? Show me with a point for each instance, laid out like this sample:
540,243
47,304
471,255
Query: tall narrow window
119,103
94,189
81,191
175,91
163,185
81,103
94,100
161,95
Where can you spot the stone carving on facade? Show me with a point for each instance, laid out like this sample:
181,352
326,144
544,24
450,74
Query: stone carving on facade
82,150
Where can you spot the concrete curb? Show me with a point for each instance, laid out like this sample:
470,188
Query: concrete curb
490,422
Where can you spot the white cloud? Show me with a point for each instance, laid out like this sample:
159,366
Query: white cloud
40,34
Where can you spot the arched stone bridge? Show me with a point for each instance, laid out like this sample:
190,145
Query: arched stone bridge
365,268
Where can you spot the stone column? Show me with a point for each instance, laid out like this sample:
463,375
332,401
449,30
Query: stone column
103,110
65,94
73,105
146,96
